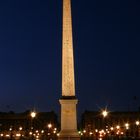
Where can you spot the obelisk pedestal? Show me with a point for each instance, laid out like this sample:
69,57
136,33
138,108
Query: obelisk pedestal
68,120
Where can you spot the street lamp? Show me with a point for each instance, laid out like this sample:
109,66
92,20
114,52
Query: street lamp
49,125
33,115
137,128
118,127
127,125
104,113
137,123
20,128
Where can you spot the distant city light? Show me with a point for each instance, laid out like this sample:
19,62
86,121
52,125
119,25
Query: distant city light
18,135
118,127
111,128
49,125
20,128
137,123
126,125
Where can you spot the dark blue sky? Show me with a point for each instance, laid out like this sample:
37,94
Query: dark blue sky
106,47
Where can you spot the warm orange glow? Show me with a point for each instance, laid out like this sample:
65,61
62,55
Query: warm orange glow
49,125
126,125
118,127
84,131
137,123
111,128
20,128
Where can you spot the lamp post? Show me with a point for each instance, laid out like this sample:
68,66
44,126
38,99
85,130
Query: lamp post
127,129
137,128
49,132
33,115
104,114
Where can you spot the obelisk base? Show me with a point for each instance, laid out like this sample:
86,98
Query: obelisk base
68,120
69,135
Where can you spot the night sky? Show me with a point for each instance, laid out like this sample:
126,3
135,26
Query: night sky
106,50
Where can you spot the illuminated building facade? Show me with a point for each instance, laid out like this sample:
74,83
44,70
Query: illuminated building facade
115,123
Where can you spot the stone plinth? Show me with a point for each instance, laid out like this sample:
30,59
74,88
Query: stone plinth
68,120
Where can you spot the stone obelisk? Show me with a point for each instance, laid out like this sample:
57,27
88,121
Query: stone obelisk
68,101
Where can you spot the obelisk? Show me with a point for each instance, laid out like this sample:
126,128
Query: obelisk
68,100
